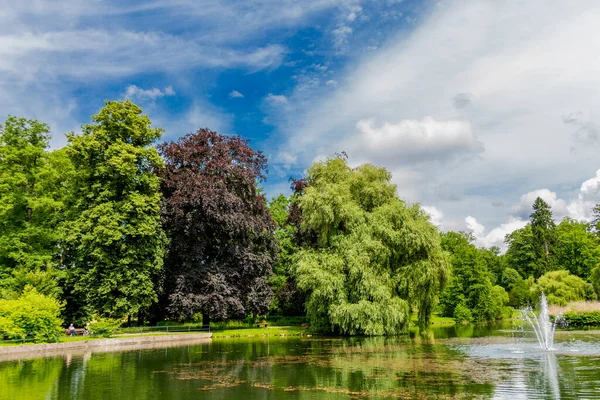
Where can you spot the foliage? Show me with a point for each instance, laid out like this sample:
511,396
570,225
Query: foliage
30,207
543,231
595,279
591,318
32,313
510,277
577,249
288,300
560,287
462,313
222,246
114,238
103,327
374,257
521,253
471,282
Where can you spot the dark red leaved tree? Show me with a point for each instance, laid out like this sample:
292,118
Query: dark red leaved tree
221,244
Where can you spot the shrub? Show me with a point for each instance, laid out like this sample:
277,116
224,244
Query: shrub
33,314
462,314
103,327
561,287
582,319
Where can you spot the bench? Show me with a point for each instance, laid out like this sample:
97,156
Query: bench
260,324
78,332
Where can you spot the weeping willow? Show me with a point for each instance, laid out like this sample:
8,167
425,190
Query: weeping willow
374,259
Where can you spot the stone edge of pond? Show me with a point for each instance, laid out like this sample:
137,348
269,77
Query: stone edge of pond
102,345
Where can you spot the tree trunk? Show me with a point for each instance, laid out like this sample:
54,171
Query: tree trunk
129,320
205,320
140,318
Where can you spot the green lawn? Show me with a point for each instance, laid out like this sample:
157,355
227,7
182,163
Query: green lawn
250,332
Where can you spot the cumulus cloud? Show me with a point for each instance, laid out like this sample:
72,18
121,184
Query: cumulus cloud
436,216
494,237
485,67
235,94
411,141
579,207
134,92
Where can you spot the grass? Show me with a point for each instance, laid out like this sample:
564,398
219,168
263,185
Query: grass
435,320
577,307
250,332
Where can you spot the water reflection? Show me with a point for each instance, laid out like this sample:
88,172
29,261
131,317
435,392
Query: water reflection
484,364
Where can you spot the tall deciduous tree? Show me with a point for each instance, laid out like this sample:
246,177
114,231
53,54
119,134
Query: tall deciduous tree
373,257
222,246
115,237
30,203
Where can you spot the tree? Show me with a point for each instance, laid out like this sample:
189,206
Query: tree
577,249
560,287
595,279
471,280
115,239
222,246
30,206
543,230
521,253
288,300
367,257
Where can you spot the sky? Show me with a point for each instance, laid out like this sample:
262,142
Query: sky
476,107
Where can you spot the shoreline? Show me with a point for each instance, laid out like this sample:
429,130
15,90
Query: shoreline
9,353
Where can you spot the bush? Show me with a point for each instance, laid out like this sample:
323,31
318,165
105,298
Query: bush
103,327
462,314
31,314
560,287
582,319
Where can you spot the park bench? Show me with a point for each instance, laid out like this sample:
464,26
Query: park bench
78,332
261,324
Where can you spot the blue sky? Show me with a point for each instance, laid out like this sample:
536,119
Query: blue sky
476,107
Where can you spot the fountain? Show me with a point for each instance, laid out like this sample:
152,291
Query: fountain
541,324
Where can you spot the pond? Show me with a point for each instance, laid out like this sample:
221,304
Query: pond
453,362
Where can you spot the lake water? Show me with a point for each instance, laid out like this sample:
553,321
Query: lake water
454,362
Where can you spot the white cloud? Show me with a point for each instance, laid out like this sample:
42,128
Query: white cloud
134,92
579,207
340,36
496,236
235,94
486,63
276,99
410,141
436,215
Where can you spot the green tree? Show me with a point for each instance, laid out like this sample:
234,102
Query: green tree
471,280
560,287
288,300
543,229
521,253
115,238
595,279
30,207
373,257
577,249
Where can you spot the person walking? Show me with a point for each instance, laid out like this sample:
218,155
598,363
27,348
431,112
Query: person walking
72,330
